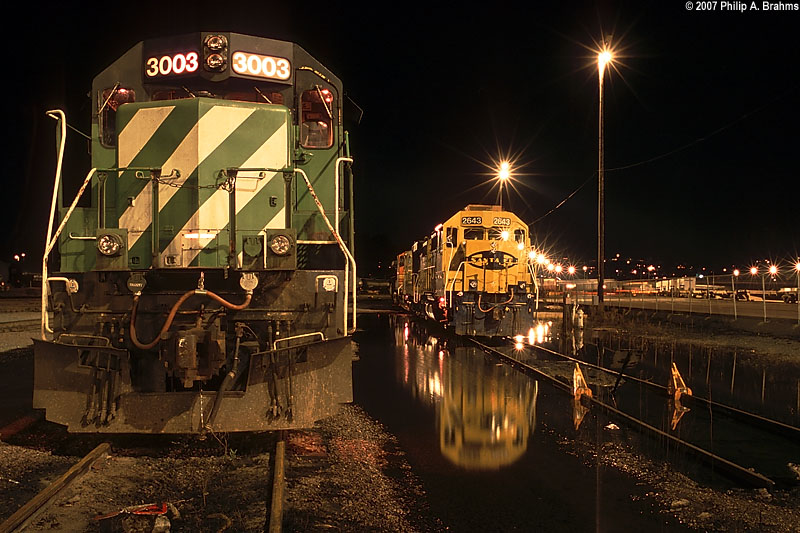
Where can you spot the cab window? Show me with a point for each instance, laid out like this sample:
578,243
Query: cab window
110,100
316,118
473,234
452,237
519,236
498,234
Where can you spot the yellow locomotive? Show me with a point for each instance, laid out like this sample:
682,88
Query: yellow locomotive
473,274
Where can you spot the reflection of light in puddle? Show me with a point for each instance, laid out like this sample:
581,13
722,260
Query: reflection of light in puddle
538,333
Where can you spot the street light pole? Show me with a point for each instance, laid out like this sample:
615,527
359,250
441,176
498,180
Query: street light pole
797,299
733,283
603,58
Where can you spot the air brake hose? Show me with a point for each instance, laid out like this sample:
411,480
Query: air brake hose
495,305
227,382
174,311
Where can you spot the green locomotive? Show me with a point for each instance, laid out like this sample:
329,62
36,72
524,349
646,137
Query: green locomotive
207,278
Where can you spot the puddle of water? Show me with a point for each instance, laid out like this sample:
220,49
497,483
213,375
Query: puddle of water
494,448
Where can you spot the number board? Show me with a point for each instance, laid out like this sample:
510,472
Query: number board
275,68
471,221
171,64
501,221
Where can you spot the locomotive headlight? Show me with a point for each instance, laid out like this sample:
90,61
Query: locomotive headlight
216,42
215,61
109,244
280,245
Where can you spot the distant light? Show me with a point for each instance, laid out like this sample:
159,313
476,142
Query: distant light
735,271
700,276
797,266
604,58
531,255
505,171
571,269
585,268
571,285
551,267
541,259
773,269
753,270
559,268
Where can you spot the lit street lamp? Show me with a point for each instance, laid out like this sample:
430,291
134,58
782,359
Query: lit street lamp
733,286
503,174
604,57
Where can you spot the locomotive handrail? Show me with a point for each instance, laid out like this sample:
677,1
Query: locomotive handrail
58,115
339,161
345,251
453,283
294,337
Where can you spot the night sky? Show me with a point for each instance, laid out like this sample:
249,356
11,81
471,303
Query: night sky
702,112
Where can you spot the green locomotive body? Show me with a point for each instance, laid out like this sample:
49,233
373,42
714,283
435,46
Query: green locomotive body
206,278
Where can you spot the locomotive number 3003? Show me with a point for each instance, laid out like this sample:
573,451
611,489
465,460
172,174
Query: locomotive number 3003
171,64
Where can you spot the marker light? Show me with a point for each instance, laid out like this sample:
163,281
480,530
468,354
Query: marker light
109,244
280,245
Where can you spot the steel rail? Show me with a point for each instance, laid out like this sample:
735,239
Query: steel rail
38,503
278,475
737,471
764,422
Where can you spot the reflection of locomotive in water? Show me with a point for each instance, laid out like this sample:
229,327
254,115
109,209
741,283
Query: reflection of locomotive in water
473,274
203,285
485,412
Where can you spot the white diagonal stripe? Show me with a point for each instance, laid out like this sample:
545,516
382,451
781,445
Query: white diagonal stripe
138,131
212,216
209,132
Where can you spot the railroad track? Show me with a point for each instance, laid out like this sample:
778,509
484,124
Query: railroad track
783,438
217,504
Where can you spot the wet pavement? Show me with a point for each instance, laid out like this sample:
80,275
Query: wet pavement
496,450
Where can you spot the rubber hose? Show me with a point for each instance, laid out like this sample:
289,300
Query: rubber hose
174,311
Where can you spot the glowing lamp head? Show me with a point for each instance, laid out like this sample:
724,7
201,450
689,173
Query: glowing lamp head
753,270
604,57
773,270
797,266
571,270
735,271
504,172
